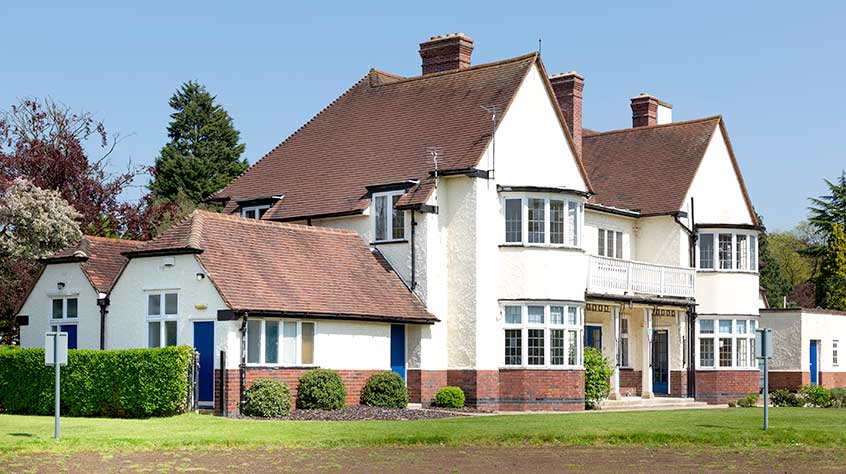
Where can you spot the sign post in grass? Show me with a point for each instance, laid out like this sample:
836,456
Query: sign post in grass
56,354
764,351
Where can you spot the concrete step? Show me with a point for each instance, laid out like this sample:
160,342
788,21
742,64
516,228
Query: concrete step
658,403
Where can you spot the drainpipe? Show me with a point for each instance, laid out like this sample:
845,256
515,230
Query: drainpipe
413,273
103,304
242,368
691,351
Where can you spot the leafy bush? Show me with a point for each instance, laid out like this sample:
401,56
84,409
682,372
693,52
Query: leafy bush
784,398
749,401
450,397
815,396
838,397
267,398
597,373
133,383
321,389
386,390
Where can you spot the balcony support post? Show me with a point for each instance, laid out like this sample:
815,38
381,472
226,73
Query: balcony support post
646,392
615,347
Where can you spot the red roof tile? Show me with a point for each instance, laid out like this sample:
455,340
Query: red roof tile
100,258
261,266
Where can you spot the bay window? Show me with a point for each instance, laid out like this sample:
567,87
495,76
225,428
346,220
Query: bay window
162,319
728,251
542,334
280,342
388,221
726,343
539,220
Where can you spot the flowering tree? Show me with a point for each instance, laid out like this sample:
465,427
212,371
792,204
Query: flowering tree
35,222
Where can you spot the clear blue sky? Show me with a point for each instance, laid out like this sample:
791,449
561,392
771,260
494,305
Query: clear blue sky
775,70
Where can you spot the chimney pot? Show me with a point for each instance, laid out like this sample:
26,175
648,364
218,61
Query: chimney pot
446,52
568,89
648,110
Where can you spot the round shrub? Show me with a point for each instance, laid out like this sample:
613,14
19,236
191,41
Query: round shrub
749,401
267,398
321,389
815,396
450,397
597,373
784,398
838,397
386,390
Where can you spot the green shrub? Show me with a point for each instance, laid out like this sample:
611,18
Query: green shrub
784,398
450,397
815,396
749,401
267,398
133,383
386,390
838,397
597,373
321,389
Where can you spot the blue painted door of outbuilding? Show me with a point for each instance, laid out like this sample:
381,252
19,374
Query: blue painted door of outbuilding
204,344
814,363
398,349
71,330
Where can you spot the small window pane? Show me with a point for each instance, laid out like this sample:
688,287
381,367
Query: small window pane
618,247
706,326
601,243
170,333
535,347
609,243
573,223
397,219
171,303
271,342
725,326
307,353
624,352
154,305
289,342
262,211
725,251
154,334
572,315
536,221
753,326
513,347
380,213
556,222
572,347
57,309
72,308
253,341
741,252
513,315
536,314
742,354
706,352
753,252
556,346
624,326
741,327
513,220
725,351
556,315
706,251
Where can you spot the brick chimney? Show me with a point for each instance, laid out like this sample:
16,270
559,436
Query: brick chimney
568,92
648,111
446,52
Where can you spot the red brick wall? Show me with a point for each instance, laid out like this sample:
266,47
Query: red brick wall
631,382
788,380
723,386
521,389
832,379
678,383
424,384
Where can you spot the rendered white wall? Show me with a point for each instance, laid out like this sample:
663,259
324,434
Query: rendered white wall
601,220
732,293
347,345
39,306
661,240
665,114
787,339
824,328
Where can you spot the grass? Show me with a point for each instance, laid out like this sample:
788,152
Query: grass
794,427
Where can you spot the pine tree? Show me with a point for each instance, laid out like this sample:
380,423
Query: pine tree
831,282
203,154
830,209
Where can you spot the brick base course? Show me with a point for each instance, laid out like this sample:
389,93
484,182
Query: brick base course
723,386
631,382
832,379
521,389
678,383
424,384
788,380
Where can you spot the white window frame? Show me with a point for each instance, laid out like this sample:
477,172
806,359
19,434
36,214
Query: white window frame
524,220
547,326
750,257
64,320
749,336
625,356
162,318
835,355
280,335
389,229
256,209
603,231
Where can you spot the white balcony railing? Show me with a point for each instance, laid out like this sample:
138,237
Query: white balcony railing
614,276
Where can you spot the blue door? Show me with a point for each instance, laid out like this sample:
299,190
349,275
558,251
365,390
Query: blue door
814,360
204,344
660,361
593,337
71,330
398,349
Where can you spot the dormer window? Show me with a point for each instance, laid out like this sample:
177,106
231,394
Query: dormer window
254,212
388,222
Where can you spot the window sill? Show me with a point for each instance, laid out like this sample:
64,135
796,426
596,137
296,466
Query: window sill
395,241
541,367
711,270
726,369
281,366
65,321
542,246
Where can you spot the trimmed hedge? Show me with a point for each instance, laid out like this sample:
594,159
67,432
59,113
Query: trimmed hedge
133,383
450,397
321,389
386,390
267,398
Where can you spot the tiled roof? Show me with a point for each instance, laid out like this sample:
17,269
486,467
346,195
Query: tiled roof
379,132
261,266
649,169
100,258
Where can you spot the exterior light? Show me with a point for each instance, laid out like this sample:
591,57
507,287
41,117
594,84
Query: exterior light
200,276
61,285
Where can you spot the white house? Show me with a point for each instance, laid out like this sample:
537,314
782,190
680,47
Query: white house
521,236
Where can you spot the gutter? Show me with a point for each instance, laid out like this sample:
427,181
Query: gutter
234,315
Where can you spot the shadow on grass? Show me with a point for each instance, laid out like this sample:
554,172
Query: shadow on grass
21,435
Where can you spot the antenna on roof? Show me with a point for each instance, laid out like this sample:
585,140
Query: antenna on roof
540,45
435,152
492,109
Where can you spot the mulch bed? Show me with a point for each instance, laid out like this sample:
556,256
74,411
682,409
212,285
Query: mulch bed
361,412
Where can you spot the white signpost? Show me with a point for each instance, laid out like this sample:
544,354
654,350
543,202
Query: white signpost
56,355
764,350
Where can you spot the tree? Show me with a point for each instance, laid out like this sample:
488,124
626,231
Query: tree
830,209
831,281
771,276
786,248
203,154
35,222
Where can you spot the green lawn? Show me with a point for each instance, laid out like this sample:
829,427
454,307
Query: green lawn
795,427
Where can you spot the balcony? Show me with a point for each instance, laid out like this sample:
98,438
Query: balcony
625,277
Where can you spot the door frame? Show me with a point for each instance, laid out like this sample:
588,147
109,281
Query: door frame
651,353
204,403
593,326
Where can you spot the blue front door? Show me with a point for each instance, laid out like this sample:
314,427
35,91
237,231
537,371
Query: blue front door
71,330
593,337
398,349
204,344
814,359
660,362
